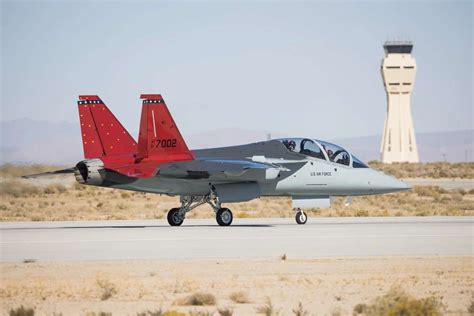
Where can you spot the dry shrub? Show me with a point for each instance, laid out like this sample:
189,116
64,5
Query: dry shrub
397,302
125,195
429,191
359,309
435,170
200,313
22,311
98,314
122,206
107,289
470,308
54,188
197,299
243,215
361,213
18,189
174,313
157,312
300,311
225,311
239,297
267,309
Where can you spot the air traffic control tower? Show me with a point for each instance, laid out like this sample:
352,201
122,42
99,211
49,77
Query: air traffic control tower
398,73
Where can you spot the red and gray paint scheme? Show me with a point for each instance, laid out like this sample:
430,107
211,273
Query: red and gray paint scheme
309,171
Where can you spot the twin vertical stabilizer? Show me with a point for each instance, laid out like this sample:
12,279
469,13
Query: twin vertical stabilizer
159,137
103,136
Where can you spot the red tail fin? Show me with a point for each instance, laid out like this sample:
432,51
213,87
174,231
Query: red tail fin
102,133
159,137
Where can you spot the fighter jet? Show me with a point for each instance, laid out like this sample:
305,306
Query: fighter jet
308,170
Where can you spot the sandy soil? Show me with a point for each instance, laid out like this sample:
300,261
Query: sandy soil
324,286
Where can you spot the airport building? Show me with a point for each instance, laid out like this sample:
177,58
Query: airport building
398,73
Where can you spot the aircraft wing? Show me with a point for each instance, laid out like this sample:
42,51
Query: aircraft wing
221,169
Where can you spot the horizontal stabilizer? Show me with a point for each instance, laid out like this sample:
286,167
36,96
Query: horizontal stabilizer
50,173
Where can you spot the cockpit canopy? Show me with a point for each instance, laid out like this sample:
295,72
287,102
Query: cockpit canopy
322,150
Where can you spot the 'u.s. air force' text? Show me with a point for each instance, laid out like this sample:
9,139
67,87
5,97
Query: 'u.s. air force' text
321,174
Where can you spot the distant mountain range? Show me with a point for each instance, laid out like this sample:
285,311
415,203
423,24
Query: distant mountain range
31,141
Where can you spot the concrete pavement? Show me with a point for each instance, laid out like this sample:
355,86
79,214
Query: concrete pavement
246,238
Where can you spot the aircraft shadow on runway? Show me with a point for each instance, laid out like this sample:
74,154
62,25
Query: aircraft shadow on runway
132,226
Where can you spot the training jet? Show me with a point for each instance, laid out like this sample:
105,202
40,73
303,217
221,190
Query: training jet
308,170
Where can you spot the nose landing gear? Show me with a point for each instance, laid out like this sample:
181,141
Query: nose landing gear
301,217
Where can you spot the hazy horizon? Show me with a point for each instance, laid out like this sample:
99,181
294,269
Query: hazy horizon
306,68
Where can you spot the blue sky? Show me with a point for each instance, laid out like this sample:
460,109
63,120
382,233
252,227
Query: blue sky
295,68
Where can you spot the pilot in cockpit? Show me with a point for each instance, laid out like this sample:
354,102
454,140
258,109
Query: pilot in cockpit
290,144
330,153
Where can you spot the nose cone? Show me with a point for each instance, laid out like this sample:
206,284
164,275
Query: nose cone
383,183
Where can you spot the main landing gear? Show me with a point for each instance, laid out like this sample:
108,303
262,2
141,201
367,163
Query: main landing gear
224,217
176,216
301,217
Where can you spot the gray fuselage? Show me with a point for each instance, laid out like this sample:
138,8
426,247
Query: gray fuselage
300,174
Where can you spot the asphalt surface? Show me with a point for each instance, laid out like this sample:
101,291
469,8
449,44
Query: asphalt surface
246,238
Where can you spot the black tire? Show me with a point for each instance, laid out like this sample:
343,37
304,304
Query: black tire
224,217
301,218
173,217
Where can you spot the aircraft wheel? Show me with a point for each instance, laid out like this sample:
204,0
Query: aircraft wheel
173,217
224,217
301,217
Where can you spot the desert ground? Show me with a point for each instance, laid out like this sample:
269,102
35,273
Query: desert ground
430,285
246,287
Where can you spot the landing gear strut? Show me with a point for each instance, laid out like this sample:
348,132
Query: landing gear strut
176,216
301,217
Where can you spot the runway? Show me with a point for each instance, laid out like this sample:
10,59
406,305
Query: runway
246,238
